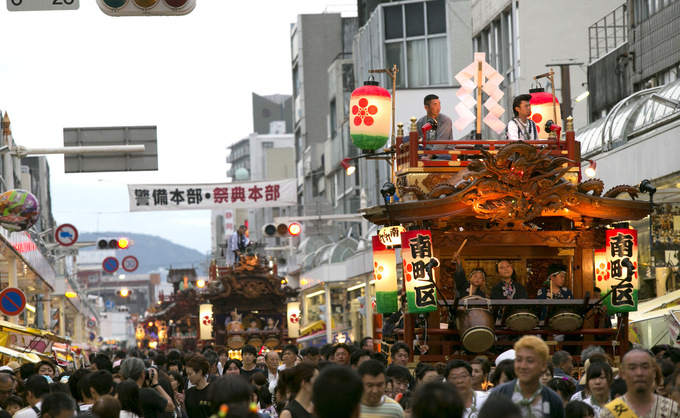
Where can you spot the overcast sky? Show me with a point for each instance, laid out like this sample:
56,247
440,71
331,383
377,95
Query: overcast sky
191,76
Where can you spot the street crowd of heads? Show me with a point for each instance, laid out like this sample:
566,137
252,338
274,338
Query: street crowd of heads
342,381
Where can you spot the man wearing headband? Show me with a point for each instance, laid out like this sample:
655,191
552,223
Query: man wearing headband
554,287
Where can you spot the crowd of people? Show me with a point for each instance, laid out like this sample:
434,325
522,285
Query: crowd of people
343,381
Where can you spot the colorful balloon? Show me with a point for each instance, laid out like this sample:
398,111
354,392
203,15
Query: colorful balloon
19,210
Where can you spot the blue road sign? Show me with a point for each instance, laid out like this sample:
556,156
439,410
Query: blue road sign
110,305
12,301
110,264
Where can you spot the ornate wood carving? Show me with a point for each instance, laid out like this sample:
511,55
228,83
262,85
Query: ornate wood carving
526,238
251,279
507,191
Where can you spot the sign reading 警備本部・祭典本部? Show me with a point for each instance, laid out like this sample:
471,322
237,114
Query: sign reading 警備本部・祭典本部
248,194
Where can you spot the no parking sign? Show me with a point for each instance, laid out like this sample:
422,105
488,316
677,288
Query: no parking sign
12,301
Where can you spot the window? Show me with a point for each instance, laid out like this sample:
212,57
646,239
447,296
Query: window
416,42
333,119
496,41
267,144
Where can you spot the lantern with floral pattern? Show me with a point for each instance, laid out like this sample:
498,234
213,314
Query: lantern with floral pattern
370,114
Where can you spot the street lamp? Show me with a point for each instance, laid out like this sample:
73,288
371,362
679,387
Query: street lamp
590,171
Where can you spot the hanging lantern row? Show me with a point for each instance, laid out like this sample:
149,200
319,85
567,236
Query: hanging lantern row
370,115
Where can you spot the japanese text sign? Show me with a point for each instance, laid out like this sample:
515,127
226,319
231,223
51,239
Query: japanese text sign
385,275
622,265
250,194
390,236
416,251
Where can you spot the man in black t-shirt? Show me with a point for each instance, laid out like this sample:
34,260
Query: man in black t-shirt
249,354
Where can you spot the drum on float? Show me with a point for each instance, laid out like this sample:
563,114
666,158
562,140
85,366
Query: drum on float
521,318
475,325
255,340
272,341
564,318
235,341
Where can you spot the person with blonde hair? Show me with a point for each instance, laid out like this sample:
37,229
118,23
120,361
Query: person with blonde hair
526,391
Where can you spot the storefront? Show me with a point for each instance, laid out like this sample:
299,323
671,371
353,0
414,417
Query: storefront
341,290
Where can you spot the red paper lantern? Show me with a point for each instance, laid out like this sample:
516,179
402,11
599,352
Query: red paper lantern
542,110
370,115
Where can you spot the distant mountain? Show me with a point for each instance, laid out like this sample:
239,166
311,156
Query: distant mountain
153,252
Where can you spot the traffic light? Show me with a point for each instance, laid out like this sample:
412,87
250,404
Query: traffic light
290,229
113,243
146,7
124,292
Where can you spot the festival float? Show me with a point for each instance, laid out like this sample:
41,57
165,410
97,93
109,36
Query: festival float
246,303
173,322
524,202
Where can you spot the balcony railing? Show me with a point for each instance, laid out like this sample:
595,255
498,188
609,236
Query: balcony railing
416,158
608,33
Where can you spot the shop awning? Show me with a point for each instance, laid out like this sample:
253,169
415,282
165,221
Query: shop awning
668,300
313,327
13,354
654,327
8,326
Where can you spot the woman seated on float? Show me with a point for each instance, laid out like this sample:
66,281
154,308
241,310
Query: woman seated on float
472,285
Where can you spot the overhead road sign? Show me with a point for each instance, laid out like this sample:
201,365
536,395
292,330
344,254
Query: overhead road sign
110,264
39,5
111,137
12,301
66,235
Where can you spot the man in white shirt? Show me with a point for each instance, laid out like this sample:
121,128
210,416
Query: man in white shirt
459,374
272,360
36,388
521,127
289,354
236,245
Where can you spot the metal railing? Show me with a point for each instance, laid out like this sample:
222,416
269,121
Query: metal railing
608,33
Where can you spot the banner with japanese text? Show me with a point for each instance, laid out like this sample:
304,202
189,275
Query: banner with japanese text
249,194
622,262
416,251
385,275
